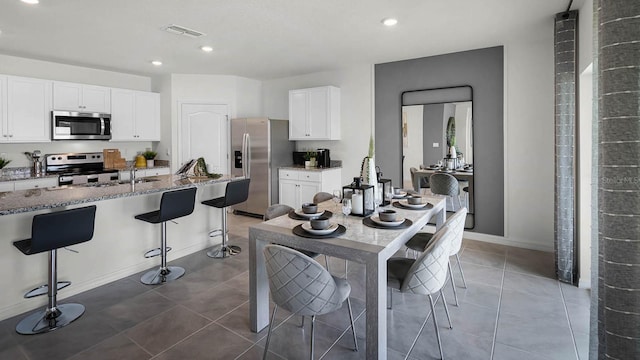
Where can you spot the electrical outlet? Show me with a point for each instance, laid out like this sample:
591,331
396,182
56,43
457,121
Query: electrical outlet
435,145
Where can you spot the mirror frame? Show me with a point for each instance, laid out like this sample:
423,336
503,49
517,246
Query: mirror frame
441,95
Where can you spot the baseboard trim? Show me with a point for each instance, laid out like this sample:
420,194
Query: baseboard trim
500,240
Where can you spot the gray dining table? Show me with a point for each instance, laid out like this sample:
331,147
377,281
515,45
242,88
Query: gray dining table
360,243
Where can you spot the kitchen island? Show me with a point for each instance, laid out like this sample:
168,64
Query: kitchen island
119,241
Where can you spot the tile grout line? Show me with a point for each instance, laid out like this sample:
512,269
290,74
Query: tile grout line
495,329
566,311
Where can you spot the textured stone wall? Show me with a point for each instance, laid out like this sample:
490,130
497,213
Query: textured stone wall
619,178
565,56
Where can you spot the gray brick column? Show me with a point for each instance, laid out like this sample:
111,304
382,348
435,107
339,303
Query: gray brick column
595,308
619,178
565,53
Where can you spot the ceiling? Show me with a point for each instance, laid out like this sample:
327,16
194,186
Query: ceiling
259,39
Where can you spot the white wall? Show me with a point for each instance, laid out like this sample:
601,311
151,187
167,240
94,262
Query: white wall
356,99
243,96
17,66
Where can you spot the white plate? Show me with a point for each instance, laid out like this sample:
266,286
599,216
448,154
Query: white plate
376,219
307,227
400,195
406,203
302,213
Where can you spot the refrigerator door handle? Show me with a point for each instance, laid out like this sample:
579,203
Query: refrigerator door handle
248,152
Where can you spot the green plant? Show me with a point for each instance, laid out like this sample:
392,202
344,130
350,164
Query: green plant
451,132
4,162
149,155
310,155
200,170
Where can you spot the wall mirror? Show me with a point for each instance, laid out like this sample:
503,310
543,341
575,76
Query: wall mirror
437,129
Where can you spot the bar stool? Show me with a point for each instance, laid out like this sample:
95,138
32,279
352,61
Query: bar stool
50,232
173,204
236,192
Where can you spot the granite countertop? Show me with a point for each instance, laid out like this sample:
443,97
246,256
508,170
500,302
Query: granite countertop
301,167
22,175
15,202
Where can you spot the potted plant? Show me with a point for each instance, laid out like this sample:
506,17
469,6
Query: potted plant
310,159
3,162
150,156
451,137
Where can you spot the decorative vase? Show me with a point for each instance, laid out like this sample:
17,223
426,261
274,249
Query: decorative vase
150,163
452,152
307,164
368,175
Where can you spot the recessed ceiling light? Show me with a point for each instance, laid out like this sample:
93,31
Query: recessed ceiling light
389,21
206,48
156,62
32,2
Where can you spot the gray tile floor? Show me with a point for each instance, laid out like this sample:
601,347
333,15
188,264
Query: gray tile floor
512,309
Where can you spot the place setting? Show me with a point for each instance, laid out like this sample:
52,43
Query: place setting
319,228
308,211
413,202
387,219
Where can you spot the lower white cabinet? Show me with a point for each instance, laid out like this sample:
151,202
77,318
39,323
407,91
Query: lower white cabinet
125,175
299,186
35,183
6,186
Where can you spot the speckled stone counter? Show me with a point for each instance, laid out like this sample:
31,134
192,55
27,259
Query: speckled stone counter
298,167
38,199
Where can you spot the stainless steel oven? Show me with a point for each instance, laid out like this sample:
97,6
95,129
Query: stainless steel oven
73,125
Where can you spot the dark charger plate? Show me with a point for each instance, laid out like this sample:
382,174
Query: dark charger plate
294,216
370,223
298,230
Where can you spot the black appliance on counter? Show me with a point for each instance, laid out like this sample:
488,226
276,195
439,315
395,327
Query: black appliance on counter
79,168
323,158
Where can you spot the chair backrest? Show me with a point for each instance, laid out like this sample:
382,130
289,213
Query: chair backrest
276,210
177,203
236,192
428,273
62,228
322,196
456,226
444,184
299,284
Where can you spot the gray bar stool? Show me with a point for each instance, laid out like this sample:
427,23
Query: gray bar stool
173,204
236,192
50,232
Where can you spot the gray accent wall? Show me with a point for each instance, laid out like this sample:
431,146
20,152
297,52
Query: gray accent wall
619,179
565,56
483,70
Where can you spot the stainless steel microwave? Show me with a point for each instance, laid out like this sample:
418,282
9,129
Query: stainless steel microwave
73,125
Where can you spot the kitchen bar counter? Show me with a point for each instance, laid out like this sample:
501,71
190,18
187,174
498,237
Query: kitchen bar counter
15,202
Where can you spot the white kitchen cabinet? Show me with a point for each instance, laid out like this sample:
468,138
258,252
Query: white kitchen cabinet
157,171
135,115
36,183
125,175
6,186
28,110
299,186
314,113
81,97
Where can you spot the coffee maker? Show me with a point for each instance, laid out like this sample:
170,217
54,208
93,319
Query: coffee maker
323,159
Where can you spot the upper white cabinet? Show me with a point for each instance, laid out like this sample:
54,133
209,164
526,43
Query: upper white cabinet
314,113
80,97
28,109
135,115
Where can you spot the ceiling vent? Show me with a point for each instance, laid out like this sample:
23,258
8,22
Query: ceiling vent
181,30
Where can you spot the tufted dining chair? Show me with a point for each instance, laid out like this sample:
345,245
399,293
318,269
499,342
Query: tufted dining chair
322,196
425,275
421,240
445,184
301,286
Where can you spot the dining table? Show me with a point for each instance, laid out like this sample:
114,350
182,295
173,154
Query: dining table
361,243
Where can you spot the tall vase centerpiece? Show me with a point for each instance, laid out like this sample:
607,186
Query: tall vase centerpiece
368,174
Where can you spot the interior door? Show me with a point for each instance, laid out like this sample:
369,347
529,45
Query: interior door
204,133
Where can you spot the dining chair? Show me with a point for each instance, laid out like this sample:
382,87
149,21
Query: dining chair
302,286
445,184
420,241
425,275
321,196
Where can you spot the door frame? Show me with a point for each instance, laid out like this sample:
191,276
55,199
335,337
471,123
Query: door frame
178,147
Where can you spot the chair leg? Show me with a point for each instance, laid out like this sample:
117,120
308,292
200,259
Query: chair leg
313,322
464,283
435,324
353,326
302,322
326,263
446,309
273,319
346,269
224,250
390,305
453,283
164,273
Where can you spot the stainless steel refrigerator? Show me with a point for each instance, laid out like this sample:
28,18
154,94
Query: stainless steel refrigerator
258,147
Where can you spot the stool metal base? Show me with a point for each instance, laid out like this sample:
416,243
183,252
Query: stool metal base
221,252
159,276
44,289
44,321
